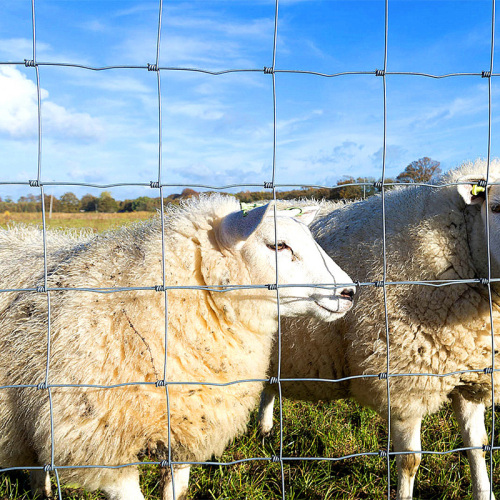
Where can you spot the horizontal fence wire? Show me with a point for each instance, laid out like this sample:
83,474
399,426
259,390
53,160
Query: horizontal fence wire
50,383
377,185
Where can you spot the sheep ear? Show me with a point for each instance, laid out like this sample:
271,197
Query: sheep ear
235,228
471,192
303,214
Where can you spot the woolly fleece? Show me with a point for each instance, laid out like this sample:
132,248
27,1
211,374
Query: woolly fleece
113,338
431,235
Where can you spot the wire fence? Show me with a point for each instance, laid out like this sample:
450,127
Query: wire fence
164,287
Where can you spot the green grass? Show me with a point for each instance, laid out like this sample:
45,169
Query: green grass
312,430
95,221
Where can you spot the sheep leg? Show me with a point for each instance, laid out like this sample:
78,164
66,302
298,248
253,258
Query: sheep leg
406,437
124,485
470,418
266,410
40,483
180,482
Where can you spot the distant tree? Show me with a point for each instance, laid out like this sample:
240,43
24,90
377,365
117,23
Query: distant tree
244,196
349,192
188,193
353,189
141,204
69,203
88,203
106,203
422,170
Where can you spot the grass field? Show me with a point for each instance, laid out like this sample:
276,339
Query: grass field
93,220
312,430
325,429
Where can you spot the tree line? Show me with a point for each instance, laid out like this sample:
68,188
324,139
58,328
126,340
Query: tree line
348,188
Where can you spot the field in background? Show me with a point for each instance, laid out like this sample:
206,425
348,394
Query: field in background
329,430
96,221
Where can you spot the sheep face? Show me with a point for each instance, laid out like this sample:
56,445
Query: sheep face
474,194
300,261
494,220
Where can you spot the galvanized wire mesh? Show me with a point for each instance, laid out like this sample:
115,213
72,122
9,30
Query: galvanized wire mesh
160,184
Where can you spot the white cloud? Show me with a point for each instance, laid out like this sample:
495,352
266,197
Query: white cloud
18,104
96,26
457,108
18,49
200,110
19,112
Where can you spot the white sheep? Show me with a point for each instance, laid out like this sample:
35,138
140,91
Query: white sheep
433,233
116,338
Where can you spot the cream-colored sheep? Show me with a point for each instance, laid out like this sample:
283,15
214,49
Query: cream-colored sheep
118,337
433,233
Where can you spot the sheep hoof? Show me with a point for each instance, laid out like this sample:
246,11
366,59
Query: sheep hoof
265,432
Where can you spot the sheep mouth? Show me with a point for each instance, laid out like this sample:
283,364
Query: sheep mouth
343,306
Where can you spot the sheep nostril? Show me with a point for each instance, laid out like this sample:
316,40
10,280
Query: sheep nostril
347,293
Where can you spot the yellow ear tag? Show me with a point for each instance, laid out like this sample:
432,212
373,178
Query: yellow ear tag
477,189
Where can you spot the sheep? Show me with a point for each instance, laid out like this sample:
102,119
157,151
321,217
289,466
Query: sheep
433,233
117,338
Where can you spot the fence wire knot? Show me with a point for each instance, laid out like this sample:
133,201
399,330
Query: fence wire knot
29,63
275,459
48,468
382,453
378,284
40,289
273,380
159,288
154,184
487,447
164,464
268,71
272,286
41,386
268,185
34,183
160,383
484,281
152,67
377,185
379,72
382,376
482,183
488,370
486,74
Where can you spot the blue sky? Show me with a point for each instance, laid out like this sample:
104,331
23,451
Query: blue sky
102,127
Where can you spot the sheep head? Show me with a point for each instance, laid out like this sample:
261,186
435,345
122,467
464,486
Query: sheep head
475,191
251,245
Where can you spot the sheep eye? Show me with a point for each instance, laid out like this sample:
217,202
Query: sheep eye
280,246
495,208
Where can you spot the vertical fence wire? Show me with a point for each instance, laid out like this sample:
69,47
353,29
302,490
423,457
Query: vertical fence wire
163,269
384,249
488,249
159,184
44,289
273,183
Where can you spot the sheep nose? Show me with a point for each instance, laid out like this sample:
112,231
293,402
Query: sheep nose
347,293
